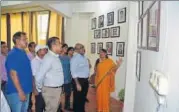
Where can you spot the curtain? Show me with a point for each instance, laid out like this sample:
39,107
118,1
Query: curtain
3,28
34,33
16,24
26,23
55,26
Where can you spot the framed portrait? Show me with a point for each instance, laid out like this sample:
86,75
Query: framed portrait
105,33
93,48
109,48
141,6
122,15
115,31
110,18
153,36
97,34
139,33
93,23
99,47
101,21
138,65
120,46
144,31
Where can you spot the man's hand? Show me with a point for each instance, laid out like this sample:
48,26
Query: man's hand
35,92
22,96
78,86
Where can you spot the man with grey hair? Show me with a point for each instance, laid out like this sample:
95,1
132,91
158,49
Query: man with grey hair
80,73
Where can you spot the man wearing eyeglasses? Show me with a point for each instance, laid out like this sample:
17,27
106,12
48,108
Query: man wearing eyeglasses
80,73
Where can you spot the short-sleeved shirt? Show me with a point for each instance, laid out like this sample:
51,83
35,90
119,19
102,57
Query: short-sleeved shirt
18,61
65,60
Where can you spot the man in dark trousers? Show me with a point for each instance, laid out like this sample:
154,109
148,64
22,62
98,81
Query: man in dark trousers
80,73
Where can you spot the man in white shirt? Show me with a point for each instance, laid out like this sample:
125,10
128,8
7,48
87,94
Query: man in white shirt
4,104
80,72
35,65
50,75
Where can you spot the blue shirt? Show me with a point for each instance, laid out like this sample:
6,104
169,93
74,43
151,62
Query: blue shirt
18,61
79,66
65,60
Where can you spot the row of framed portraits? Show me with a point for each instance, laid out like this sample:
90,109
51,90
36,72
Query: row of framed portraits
149,27
120,47
107,32
121,18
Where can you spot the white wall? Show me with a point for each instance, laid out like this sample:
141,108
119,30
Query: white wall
102,8
166,61
78,29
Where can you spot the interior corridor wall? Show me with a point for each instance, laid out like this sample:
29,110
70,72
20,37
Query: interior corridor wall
166,61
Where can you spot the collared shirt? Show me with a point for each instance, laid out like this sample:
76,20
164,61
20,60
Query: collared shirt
65,60
4,105
51,72
3,72
30,56
35,64
18,61
79,66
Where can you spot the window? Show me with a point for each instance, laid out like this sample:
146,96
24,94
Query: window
42,21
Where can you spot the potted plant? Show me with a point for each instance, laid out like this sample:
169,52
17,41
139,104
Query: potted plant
121,97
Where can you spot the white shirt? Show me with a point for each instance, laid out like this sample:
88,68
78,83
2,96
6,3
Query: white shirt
51,71
4,105
35,65
79,66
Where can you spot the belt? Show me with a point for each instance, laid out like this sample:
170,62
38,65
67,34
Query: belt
53,87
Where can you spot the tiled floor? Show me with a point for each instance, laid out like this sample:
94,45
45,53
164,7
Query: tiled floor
91,106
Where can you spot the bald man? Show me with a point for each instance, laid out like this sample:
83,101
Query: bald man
80,73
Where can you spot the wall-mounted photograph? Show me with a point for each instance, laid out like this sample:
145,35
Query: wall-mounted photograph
144,30
109,48
154,27
139,33
101,21
93,48
141,6
138,65
110,18
122,15
93,23
120,46
97,34
105,33
115,31
99,47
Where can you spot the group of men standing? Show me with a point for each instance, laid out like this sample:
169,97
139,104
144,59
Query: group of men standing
45,73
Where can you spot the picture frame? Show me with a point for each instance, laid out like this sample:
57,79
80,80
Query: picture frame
109,48
105,33
110,18
140,7
115,31
153,36
120,47
122,15
97,33
93,48
93,23
101,21
139,33
99,47
138,65
144,30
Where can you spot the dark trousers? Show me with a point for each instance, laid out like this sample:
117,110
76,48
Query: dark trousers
79,98
67,91
39,103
